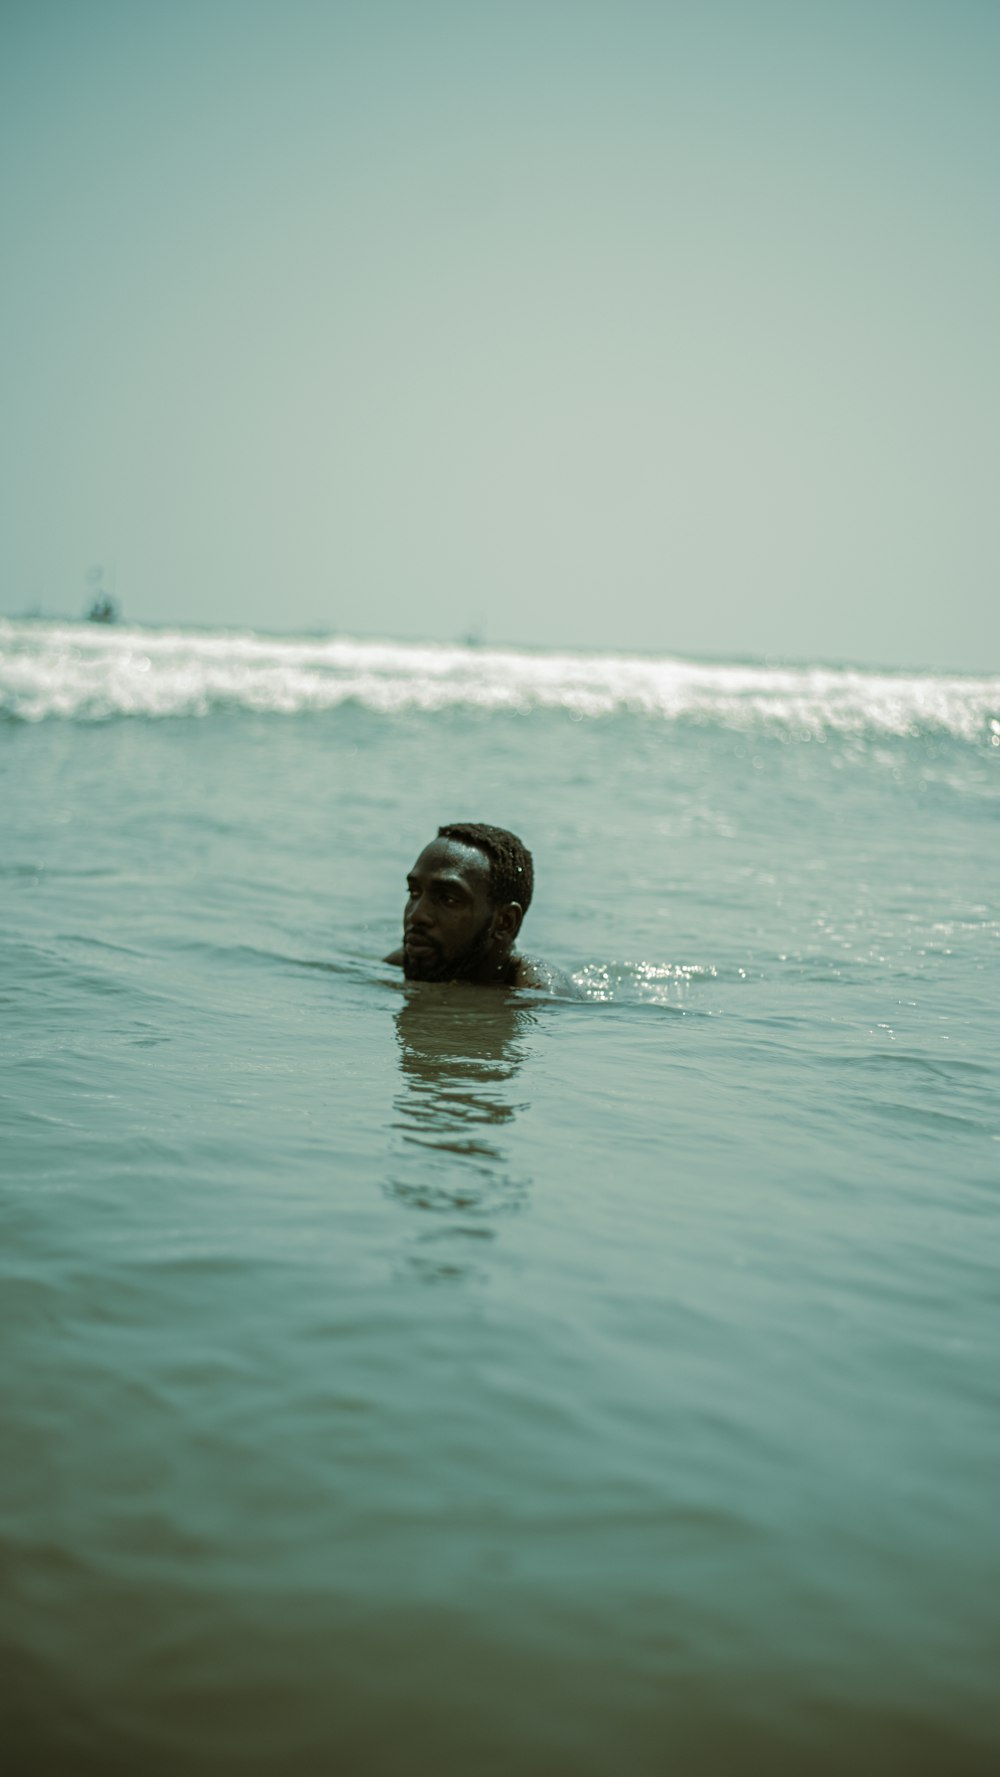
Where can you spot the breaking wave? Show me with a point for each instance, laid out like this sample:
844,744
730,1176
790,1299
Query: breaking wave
85,672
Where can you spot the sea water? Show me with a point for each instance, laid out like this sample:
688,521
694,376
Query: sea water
429,1378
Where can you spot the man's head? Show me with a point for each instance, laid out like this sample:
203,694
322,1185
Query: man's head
469,890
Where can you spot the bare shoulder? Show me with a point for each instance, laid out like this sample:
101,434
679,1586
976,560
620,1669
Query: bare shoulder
532,972
395,957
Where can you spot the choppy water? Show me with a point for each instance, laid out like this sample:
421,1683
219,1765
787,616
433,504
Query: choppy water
419,1379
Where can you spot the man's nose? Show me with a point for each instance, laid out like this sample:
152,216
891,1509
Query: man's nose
419,912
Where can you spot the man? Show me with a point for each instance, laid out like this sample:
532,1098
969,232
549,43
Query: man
469,891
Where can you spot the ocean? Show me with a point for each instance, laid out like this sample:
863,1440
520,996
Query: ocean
434,1378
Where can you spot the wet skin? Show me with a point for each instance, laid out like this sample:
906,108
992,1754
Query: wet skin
452,929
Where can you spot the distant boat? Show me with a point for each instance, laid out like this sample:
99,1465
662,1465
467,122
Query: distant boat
103,610
103,605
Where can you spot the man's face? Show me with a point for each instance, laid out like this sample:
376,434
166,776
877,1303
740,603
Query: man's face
448,918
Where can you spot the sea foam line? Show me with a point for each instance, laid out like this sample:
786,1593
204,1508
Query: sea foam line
91,673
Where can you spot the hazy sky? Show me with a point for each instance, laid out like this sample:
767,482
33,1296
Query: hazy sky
658,326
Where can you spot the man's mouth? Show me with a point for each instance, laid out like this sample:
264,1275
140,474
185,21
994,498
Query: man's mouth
421,958
419,946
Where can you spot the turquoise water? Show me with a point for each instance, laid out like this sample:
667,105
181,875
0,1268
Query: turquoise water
429,1378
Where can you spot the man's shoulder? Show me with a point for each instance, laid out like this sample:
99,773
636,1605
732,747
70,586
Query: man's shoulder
532,972
395,957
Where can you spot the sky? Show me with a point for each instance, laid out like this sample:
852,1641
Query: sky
633,326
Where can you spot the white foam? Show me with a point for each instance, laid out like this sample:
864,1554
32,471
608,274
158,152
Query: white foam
90,672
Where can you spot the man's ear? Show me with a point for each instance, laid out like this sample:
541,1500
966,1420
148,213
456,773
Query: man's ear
507,921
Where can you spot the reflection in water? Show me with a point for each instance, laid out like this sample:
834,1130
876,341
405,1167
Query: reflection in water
460,1052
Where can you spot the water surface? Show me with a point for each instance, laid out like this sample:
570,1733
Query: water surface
421,1378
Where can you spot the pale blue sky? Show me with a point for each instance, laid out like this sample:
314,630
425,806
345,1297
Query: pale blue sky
643,326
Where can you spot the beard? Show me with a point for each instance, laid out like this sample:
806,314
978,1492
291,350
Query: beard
459,967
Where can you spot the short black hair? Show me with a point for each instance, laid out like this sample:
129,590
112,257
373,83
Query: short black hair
512,872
